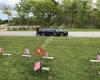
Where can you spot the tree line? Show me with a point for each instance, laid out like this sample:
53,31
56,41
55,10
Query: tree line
69,13
3,21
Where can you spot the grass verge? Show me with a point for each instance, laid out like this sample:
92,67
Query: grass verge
71,61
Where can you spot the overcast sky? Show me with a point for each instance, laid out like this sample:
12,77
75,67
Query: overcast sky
12,4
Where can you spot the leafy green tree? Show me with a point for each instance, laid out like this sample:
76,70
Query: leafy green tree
45,12
98,4
7,10
76,12
72,13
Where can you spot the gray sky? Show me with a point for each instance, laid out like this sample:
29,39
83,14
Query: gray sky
8,2
12,4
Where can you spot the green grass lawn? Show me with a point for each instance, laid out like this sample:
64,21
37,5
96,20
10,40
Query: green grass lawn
71,61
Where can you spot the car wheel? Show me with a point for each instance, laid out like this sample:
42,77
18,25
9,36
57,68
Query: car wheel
43,34
61,34
53,34
37,34
67,34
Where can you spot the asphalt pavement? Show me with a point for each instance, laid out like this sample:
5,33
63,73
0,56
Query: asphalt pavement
33,33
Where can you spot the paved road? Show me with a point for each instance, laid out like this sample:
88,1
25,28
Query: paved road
33,33
17,33
84,34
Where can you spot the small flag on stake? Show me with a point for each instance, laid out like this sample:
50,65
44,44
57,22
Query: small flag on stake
26,51
46,54
98,56
1,51
37,66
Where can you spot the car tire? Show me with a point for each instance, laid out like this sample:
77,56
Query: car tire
43,34
51,34
37,34
61,34
67,34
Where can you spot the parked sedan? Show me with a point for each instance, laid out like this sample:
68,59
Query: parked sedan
51,32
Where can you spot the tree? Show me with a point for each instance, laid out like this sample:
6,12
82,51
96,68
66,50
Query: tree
45,12
7,10
76,12
98,4
71,13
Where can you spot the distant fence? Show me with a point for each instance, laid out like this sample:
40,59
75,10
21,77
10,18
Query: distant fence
3,29
16,28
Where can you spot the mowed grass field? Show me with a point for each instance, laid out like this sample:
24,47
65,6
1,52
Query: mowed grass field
71,59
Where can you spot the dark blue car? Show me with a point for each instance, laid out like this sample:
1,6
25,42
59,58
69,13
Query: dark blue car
51,32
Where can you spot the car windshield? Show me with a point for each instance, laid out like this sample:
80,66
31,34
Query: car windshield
47,29
59,30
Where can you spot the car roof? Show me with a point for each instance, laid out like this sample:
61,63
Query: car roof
48,29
